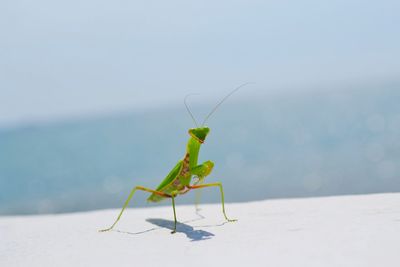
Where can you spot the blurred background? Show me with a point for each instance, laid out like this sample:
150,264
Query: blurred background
91,99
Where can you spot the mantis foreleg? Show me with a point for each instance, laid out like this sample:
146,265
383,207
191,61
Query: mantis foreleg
222,196
197,200
198,194
130,197
201,171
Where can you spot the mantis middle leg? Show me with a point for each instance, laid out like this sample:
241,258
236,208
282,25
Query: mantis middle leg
222,196
129,199
173,207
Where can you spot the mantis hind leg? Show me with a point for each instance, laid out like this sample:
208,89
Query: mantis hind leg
129,199
222,196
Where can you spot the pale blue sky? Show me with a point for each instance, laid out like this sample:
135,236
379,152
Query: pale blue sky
73,58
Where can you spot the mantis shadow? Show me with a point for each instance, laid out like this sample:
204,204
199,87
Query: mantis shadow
193,235
189,231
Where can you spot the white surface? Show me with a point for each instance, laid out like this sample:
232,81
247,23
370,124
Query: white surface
333,231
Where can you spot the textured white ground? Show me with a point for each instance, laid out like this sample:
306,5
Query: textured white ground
332,231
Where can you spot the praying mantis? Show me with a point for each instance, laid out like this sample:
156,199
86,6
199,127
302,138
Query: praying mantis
180,179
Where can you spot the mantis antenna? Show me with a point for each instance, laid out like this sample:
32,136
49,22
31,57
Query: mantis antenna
187,108
223,100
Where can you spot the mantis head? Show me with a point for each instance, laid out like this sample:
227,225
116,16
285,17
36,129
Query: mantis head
199,133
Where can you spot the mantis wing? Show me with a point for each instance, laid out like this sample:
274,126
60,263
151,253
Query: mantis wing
167,180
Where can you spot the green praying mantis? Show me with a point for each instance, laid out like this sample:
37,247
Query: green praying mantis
180,179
